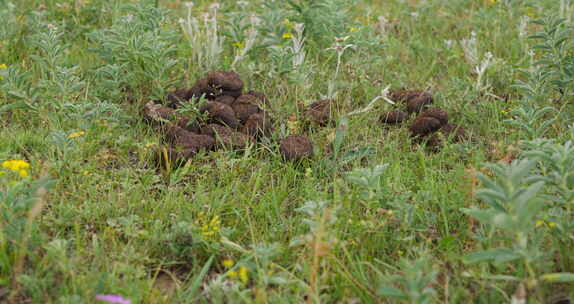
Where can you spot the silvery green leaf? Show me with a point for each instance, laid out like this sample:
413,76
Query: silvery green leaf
393,292
484,216
340,135
529,193
501,277
297,241
491,197
500,255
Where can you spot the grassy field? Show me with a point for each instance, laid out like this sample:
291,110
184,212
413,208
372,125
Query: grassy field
374,216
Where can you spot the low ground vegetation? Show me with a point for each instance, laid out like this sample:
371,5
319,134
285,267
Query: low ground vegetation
324,151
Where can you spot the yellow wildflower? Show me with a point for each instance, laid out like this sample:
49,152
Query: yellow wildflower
353,29
293,124
239,44
3,67
287,23
210,229
228,263
232,274
23,173
215,221
308,172
17,166
77,134
102,123
530,12
243,274
287,36
540,223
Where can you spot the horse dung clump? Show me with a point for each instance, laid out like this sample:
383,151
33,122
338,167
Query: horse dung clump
431,124
228,118
226,137
157,114
258,125
424,125
448,131
457,133
182,139
320,112
416,100
221,113
394,117
436,113
244,109
296,147
225,82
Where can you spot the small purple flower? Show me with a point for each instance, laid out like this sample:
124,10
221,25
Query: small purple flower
113,299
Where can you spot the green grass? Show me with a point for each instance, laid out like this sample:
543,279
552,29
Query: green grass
114,222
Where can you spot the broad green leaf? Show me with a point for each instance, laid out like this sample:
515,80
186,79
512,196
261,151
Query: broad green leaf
541,47
501,277
519,169
538,35
340,135
560,40
558,277
393,292
231,245
506,221
358,154
276,280
529,193
489,183
12,106
194,287
484,216
491,197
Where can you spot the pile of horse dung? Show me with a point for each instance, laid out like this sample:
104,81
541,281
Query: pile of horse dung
431,124
235,119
